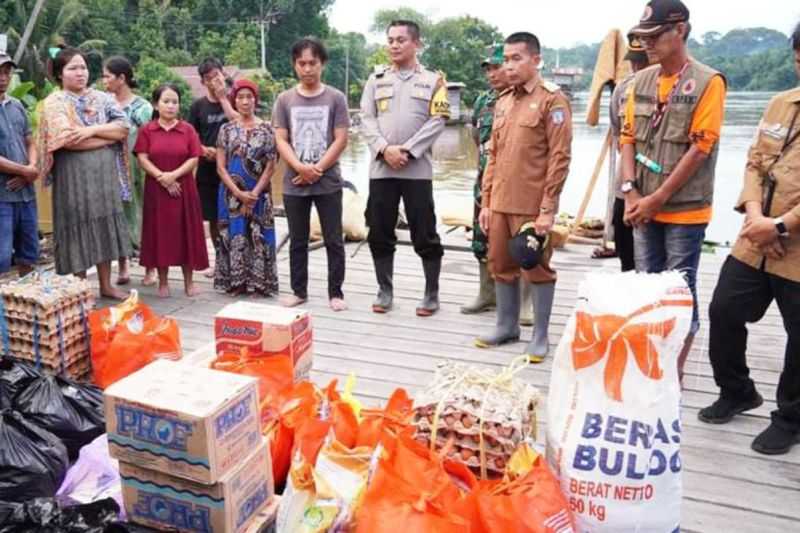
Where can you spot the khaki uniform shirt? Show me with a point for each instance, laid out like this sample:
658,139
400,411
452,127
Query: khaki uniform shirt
405,109
530,150
764,158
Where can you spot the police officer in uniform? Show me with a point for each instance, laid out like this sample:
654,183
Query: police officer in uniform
483,115
404,109
529,158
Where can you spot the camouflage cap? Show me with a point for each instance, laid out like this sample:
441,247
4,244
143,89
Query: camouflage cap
494,55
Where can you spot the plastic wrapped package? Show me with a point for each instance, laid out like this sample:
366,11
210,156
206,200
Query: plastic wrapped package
94,476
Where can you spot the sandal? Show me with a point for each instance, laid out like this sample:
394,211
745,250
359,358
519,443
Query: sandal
603,253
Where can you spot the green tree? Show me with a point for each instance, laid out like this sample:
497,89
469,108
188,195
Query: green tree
51,29
244,51
383,17
151,73
341,46
456,47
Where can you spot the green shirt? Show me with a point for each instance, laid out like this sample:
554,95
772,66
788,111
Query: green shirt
482,119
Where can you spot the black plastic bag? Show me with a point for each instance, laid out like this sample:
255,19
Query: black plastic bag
43,402
33,461
14,376
44,515
88,396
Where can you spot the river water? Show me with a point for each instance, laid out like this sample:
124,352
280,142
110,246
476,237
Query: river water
456,160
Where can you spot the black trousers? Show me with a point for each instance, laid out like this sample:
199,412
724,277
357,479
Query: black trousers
742,296
298,213
381,215
623,236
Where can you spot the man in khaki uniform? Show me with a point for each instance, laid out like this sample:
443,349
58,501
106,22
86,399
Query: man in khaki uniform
404,109
529,160
763,266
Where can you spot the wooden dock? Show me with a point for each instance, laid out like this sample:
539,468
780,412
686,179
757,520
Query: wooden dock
727,487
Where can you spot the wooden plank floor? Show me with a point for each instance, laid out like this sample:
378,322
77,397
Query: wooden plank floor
727,487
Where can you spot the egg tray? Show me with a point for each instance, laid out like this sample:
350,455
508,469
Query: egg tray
495,463
506,429
46,288
78,370
491,442
72,352
27,332
70,310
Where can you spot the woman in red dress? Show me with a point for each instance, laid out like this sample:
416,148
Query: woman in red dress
172,227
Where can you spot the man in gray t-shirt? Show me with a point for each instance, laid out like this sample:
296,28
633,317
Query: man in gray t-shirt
311,123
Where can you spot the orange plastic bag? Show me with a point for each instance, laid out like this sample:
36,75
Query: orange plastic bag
127,337
412,491
532,503
384,425
306,416
275,375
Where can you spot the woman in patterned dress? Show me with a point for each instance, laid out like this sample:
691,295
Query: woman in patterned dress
246,154
82,135
119,80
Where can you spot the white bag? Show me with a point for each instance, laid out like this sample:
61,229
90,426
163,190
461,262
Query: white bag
613,409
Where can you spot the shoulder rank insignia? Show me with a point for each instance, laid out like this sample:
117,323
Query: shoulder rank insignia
380,70
551,87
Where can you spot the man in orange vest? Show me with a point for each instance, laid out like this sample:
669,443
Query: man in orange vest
669,139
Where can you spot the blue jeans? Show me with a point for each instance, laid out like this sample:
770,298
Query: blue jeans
19,234
659,247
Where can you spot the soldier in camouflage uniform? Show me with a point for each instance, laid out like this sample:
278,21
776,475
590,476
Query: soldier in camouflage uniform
483,113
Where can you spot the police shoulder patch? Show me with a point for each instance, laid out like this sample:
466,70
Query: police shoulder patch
558,115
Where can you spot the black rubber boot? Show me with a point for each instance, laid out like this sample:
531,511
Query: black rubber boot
384,272
507,328
485,299
430,302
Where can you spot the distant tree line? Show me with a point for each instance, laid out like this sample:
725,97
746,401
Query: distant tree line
157,34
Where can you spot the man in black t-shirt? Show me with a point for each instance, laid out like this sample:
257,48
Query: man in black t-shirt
207,115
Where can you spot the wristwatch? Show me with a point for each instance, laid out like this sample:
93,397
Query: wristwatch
627,186
781,227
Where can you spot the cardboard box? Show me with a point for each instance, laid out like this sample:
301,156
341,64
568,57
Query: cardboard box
186,421
267,518
232,505
266,330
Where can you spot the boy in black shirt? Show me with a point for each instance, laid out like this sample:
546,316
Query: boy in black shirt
207,115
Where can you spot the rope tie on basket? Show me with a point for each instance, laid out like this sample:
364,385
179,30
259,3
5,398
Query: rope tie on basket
481,377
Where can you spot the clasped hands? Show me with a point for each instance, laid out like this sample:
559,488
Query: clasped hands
395,156
308,174
761,231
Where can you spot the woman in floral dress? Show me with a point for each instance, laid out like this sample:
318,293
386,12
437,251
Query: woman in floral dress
246,156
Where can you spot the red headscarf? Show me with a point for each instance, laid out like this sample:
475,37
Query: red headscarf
238,85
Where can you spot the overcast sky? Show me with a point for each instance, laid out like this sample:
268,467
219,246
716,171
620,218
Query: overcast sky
567,22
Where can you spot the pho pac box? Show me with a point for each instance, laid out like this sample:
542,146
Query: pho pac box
186,421
266,330
232,505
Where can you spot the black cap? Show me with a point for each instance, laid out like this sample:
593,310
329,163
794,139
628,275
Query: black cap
636,51
660,13
527,248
